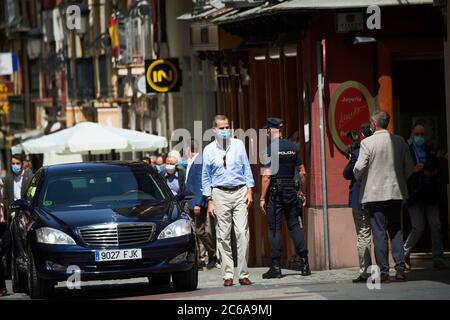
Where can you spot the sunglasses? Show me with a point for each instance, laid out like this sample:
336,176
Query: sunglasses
225,161
419,134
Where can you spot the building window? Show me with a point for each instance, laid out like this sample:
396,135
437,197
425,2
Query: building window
204,35
103,74
35,79
137,32
85,78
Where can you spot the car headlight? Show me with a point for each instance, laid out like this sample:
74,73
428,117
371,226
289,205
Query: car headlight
53,236
176,229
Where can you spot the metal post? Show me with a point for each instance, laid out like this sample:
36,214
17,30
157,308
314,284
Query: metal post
54,110
322,154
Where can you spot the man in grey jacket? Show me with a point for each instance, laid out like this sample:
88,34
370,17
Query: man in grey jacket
384,165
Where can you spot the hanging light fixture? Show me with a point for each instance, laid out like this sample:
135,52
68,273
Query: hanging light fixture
34,43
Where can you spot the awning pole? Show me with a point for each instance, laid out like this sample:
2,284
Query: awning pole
322,154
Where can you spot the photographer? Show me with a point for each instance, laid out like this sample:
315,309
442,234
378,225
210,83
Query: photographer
360,216
355,145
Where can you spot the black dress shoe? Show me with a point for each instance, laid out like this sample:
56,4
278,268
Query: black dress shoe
304,266
400,275
201,265
360,279
211,263
385,278
272,273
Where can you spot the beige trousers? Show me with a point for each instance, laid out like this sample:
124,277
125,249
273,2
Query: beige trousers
231,210
363,232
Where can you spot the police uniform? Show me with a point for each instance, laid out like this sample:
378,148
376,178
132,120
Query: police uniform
282,198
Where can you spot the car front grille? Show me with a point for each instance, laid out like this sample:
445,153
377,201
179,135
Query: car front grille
117,234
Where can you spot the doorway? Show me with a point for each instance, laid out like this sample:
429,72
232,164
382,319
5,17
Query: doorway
419,97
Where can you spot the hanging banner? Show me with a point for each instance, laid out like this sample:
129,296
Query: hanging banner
350,106
163,75
6,64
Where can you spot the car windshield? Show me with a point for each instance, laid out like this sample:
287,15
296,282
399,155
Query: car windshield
110,188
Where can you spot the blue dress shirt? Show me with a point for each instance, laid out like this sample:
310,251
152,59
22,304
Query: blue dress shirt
237,170
172,182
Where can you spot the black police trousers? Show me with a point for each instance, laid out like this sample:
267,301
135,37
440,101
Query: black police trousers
275,208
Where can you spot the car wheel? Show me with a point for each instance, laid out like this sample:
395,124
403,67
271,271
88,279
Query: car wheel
19,283
186,280
161,279
38,288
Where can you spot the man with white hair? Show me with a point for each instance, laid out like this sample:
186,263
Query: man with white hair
384,165
174,176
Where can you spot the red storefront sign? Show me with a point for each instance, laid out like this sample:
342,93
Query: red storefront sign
350,106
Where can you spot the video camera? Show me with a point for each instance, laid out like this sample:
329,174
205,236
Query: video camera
355,144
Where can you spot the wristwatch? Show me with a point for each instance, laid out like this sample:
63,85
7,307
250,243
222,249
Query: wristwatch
208,199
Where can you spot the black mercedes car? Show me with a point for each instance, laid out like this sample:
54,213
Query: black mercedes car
101,220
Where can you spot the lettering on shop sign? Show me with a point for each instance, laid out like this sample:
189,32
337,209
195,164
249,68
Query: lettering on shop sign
163,75
351,105
354,21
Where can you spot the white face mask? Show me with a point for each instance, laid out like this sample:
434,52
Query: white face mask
170,168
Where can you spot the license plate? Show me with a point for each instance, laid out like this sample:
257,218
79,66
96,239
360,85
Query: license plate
117,255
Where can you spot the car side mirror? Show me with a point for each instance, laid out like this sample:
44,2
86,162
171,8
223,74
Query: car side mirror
20,204
183,200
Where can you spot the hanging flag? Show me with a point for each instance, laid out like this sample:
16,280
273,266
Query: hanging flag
113,29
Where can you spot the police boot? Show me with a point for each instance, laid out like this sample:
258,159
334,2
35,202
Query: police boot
304,266
274,271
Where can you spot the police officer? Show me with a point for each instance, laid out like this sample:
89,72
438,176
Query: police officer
280,193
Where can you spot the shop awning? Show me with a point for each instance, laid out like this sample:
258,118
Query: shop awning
308,5
36,133
212,10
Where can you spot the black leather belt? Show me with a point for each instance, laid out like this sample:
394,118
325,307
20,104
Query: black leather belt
231,188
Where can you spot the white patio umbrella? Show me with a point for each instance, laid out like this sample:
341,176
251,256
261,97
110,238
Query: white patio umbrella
89,137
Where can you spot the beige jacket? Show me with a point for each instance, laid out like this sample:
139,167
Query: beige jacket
384,165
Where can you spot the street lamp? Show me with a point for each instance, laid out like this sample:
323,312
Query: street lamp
141,9
34,43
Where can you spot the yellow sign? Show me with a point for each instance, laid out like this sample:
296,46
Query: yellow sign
163,75
6,90
4,107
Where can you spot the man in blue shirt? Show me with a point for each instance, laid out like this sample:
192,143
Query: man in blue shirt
227,183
